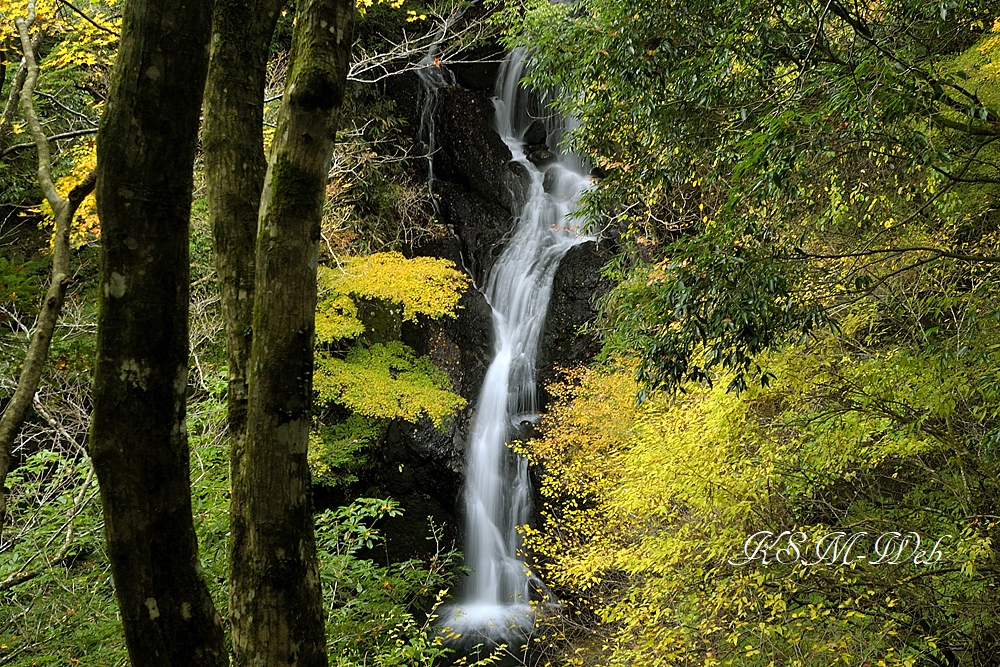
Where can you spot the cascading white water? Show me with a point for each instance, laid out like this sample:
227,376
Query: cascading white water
518,287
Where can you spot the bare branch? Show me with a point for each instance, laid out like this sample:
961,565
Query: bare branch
90,20
79,503
937,252
15,93
28,109
409,54
74,112
56,137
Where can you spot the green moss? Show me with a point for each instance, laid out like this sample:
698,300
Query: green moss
296,194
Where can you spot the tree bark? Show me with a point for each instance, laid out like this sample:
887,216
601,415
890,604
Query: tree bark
276,601
235,166
63,211
138,442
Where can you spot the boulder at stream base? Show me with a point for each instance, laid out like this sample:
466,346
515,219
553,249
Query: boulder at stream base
536,134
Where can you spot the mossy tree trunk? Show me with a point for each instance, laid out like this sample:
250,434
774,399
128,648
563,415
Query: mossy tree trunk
235,165
138,441
276,601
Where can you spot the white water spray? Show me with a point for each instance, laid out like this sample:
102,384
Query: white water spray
518,287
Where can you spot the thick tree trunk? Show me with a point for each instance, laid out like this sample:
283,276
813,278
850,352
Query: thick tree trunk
233,150
138,441
276,602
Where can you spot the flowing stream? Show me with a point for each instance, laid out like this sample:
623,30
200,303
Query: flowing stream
518,287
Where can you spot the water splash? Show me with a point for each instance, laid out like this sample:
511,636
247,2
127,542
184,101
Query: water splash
518,287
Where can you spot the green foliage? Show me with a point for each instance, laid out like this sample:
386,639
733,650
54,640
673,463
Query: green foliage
21,283
768,163
693,314
66,613
336,451
371,619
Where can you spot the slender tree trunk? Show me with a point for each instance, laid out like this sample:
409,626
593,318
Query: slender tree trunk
235,165
16,85
63,210
138,441
276,602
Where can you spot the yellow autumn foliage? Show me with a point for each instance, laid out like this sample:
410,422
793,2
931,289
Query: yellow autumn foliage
364,5
377,382
78,43
421,285
386,382
86,226
647,510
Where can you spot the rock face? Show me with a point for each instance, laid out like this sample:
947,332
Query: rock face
576,288
479,187
479,191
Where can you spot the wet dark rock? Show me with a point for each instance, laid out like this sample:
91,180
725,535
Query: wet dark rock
471,153
575,290
420,465
481,227
536,135
462,346
481,72
549,181
525,430
540,158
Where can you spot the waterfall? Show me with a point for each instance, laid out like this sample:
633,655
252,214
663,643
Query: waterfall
518,287
432,78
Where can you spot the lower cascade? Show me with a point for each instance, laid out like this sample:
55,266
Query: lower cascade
495,603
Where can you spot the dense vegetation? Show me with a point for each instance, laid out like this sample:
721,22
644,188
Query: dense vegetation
801,338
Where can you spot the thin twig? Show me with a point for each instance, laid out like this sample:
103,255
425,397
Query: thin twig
55,100
56,137
90,20
79,503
